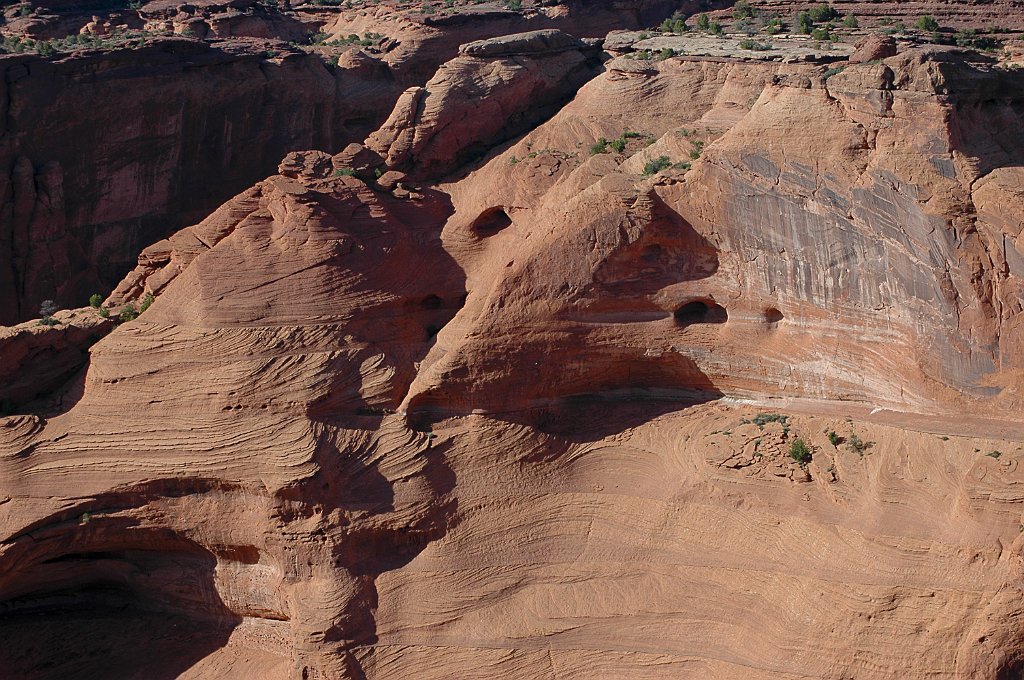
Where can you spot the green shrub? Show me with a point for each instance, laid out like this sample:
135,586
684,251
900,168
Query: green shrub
147,300
657,165
344,172
927,23
823,12
749,44
856,444
774,26
103,312
834,71
969,37
850,21
697,150
804,23
95,300
742,10
762,419
821,34
600,146
799,452
128,313
703,22
834,439
618,145
666,53
674,26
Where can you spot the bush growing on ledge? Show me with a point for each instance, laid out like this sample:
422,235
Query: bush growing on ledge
742,10
856,444
799,452
969,37
47,310
823,12
927,23
834,71
804,23
657,165
674,26
128,313
774,26
147,300
749,44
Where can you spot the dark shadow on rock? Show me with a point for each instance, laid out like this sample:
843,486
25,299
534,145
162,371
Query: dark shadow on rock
101,597
416,308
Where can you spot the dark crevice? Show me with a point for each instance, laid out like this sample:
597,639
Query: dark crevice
491,222
700,311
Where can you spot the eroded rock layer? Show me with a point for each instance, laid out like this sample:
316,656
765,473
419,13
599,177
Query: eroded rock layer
541,421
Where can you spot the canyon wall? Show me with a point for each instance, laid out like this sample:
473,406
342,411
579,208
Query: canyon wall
537,421
537,417
104,152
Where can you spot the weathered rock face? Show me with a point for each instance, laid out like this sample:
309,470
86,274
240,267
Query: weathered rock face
414,35
374,430
345,294
118,168
873,48
496,90
854,266
37,360
125,147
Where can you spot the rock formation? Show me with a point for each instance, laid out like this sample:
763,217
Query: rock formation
495,90
132,143
131,169
715,373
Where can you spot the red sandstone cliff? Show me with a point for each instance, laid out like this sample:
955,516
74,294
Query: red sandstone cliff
539,421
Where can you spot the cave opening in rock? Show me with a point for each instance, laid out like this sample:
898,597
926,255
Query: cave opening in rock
490,222
147,607
772,315
700,311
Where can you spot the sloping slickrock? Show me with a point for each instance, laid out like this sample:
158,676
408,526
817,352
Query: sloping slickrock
277,421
